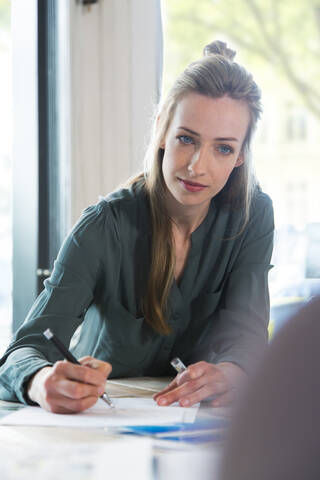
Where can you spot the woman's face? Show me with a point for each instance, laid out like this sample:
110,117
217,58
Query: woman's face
203,146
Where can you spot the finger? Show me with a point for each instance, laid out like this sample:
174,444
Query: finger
104,367
195,377
66,405
207,390
191,372
187,375
75,390
197,370
80,373
168,388
193,391
174,394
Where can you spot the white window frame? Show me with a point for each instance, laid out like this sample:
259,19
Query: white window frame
25,155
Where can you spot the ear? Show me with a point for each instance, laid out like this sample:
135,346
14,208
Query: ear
240,160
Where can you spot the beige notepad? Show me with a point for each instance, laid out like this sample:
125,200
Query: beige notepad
136,387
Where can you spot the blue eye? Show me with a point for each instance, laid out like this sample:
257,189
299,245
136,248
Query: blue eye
225,149
185,139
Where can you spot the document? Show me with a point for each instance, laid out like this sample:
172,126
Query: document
127,411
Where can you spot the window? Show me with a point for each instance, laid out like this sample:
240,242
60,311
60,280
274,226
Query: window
5,176
285,148
296,124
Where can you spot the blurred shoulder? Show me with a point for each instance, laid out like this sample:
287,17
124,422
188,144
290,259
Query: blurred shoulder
261,207
261,201
127,197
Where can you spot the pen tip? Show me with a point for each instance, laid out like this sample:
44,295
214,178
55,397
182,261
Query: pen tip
106,398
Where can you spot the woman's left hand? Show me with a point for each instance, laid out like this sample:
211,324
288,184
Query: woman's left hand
200,381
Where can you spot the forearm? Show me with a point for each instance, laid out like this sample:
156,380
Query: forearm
240,328
16,372
244,350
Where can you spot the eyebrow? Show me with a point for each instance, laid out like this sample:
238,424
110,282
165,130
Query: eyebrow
219,139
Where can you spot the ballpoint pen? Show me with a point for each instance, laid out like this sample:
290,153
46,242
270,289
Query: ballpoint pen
68,355
178,365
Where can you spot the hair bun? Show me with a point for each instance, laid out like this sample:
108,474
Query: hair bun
220,48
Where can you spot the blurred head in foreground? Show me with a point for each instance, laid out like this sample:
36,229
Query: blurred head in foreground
276,430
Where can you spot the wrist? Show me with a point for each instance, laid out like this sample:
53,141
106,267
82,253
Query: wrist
234,374
35,382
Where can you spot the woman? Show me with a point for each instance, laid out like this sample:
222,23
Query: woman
173,265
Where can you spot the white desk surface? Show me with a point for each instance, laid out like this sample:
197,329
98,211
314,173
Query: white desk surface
54,453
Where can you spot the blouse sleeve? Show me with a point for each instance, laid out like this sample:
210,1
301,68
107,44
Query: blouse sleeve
62,304
240,331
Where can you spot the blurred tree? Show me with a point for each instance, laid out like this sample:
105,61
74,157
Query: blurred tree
5,14
283,35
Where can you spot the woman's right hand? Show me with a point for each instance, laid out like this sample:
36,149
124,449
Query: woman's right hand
69,388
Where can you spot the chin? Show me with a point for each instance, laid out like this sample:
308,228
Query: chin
191,201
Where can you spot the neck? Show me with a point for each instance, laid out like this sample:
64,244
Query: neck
186,218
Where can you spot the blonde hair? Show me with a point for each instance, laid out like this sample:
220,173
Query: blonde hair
215,76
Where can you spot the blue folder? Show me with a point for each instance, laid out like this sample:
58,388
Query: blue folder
201,431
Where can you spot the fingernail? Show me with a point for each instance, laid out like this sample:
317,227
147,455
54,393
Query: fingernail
162,401
101,391
185,403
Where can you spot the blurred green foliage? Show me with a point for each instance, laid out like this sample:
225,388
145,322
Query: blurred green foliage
5,11
281,36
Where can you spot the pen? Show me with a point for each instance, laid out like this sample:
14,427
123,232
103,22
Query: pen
68,355
178,365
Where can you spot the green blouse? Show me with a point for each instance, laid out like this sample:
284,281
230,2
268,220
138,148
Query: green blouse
218,311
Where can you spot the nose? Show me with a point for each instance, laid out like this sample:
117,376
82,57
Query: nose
198,162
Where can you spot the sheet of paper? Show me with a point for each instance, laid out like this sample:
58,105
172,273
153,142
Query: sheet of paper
127,411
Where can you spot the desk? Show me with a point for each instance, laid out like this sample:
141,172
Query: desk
54,453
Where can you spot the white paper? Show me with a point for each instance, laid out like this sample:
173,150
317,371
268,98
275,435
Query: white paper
127,411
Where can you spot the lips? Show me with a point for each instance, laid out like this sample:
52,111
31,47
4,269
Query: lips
192,186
